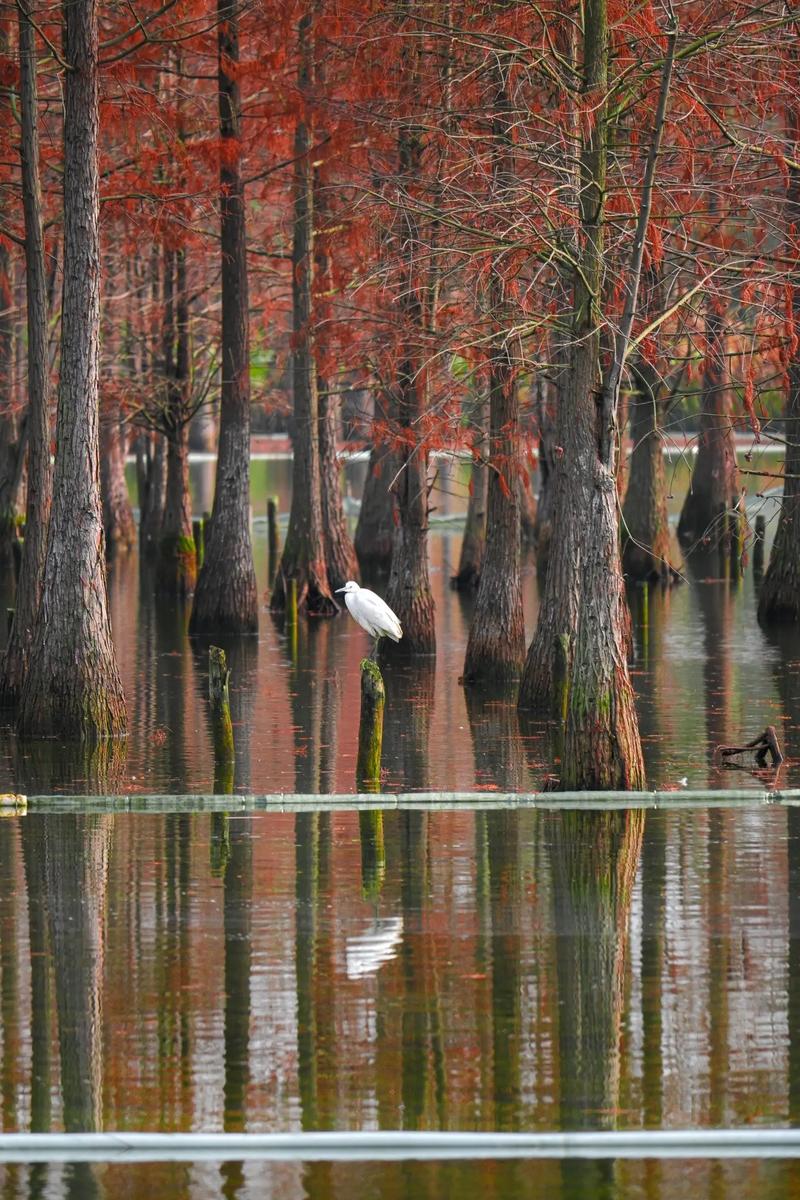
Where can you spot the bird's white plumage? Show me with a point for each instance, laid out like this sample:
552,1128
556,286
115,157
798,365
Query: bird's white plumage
371,613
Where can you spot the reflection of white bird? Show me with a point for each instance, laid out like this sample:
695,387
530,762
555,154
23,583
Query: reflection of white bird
372,613
368,951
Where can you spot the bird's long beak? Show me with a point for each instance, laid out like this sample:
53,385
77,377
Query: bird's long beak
339,590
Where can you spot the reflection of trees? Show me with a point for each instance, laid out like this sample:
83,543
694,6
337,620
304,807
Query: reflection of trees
9,981
237,919
308,699
594,861
47,766
496,739
315,973
77,850
715,600
407,722
502,841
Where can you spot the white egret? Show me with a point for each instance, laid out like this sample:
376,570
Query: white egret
371,613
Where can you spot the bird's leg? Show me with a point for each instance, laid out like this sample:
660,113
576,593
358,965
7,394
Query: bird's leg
374,654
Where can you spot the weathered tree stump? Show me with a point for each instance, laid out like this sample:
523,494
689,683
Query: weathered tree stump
370,729
765,744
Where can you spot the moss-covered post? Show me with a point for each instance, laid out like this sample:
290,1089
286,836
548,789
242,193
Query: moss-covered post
291,618
222,729
370,729
373,853
272,537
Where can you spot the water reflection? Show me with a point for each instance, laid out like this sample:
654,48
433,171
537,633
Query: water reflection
510,970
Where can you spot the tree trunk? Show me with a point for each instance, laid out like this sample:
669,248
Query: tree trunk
9,431
177,559
226,599
303,556
409,591
151,475
645,521
177,554
340,555
73,688
584,622
779,598
40,474
473,541
714,484
377,516
118,522
496,645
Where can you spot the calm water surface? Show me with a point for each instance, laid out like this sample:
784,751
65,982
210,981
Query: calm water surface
464,970
704,674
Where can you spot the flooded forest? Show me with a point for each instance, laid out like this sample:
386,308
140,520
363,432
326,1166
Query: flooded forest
399,564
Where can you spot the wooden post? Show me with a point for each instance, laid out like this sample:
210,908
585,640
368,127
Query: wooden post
272,537
373,853
758,548
219,699
291,618
198,531
645,615
370,729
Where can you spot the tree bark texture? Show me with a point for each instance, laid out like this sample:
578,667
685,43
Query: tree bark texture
73,688
779,598
226,599
9,432
40,473
303,557
583,620
645,521
377,516
473,541
409,591
496,645
151,476
177,553
177,557
714,483
340,555
118,521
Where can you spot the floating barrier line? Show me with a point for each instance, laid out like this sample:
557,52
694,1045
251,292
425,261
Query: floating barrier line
388,801
398,1145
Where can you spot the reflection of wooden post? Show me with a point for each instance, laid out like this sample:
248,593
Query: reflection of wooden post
370,730
219,699
373,853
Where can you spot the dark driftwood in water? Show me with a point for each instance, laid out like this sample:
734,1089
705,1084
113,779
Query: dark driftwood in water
766,743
